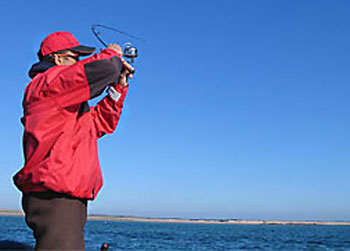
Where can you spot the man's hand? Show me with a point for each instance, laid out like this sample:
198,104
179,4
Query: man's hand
127,68
124,77
116,48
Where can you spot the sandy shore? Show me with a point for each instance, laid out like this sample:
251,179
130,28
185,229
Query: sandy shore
4,212
204,221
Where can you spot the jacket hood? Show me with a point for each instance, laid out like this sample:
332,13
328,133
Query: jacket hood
39,67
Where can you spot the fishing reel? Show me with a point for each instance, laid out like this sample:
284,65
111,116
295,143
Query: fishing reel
130,52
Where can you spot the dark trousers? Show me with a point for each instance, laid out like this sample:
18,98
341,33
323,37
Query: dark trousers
57,220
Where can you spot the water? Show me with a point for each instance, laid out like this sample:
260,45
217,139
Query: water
177,236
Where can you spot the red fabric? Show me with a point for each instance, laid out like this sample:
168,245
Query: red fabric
60,142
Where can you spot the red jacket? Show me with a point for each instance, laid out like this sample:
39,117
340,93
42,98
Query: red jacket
61,130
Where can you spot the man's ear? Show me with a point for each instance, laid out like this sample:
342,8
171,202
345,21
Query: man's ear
57,60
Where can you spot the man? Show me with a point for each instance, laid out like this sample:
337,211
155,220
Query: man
62,171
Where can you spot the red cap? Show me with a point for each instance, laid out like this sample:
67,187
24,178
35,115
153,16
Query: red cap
63,40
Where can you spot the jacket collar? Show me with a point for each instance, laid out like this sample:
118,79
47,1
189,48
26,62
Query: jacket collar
39,67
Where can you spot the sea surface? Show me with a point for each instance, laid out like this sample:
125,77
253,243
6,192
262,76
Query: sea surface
182,236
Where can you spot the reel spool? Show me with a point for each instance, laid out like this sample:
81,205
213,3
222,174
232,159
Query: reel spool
130,52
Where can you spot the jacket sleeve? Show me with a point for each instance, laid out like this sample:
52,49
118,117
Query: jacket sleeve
86,79
107,112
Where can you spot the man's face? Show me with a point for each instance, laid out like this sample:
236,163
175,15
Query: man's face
67,58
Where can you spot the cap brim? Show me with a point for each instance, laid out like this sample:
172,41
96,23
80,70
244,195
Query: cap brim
83,50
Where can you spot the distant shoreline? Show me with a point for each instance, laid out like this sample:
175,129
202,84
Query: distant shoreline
4,212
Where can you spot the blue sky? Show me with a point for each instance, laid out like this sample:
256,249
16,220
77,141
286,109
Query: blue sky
239,109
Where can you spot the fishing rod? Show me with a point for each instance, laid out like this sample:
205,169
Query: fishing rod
129,50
